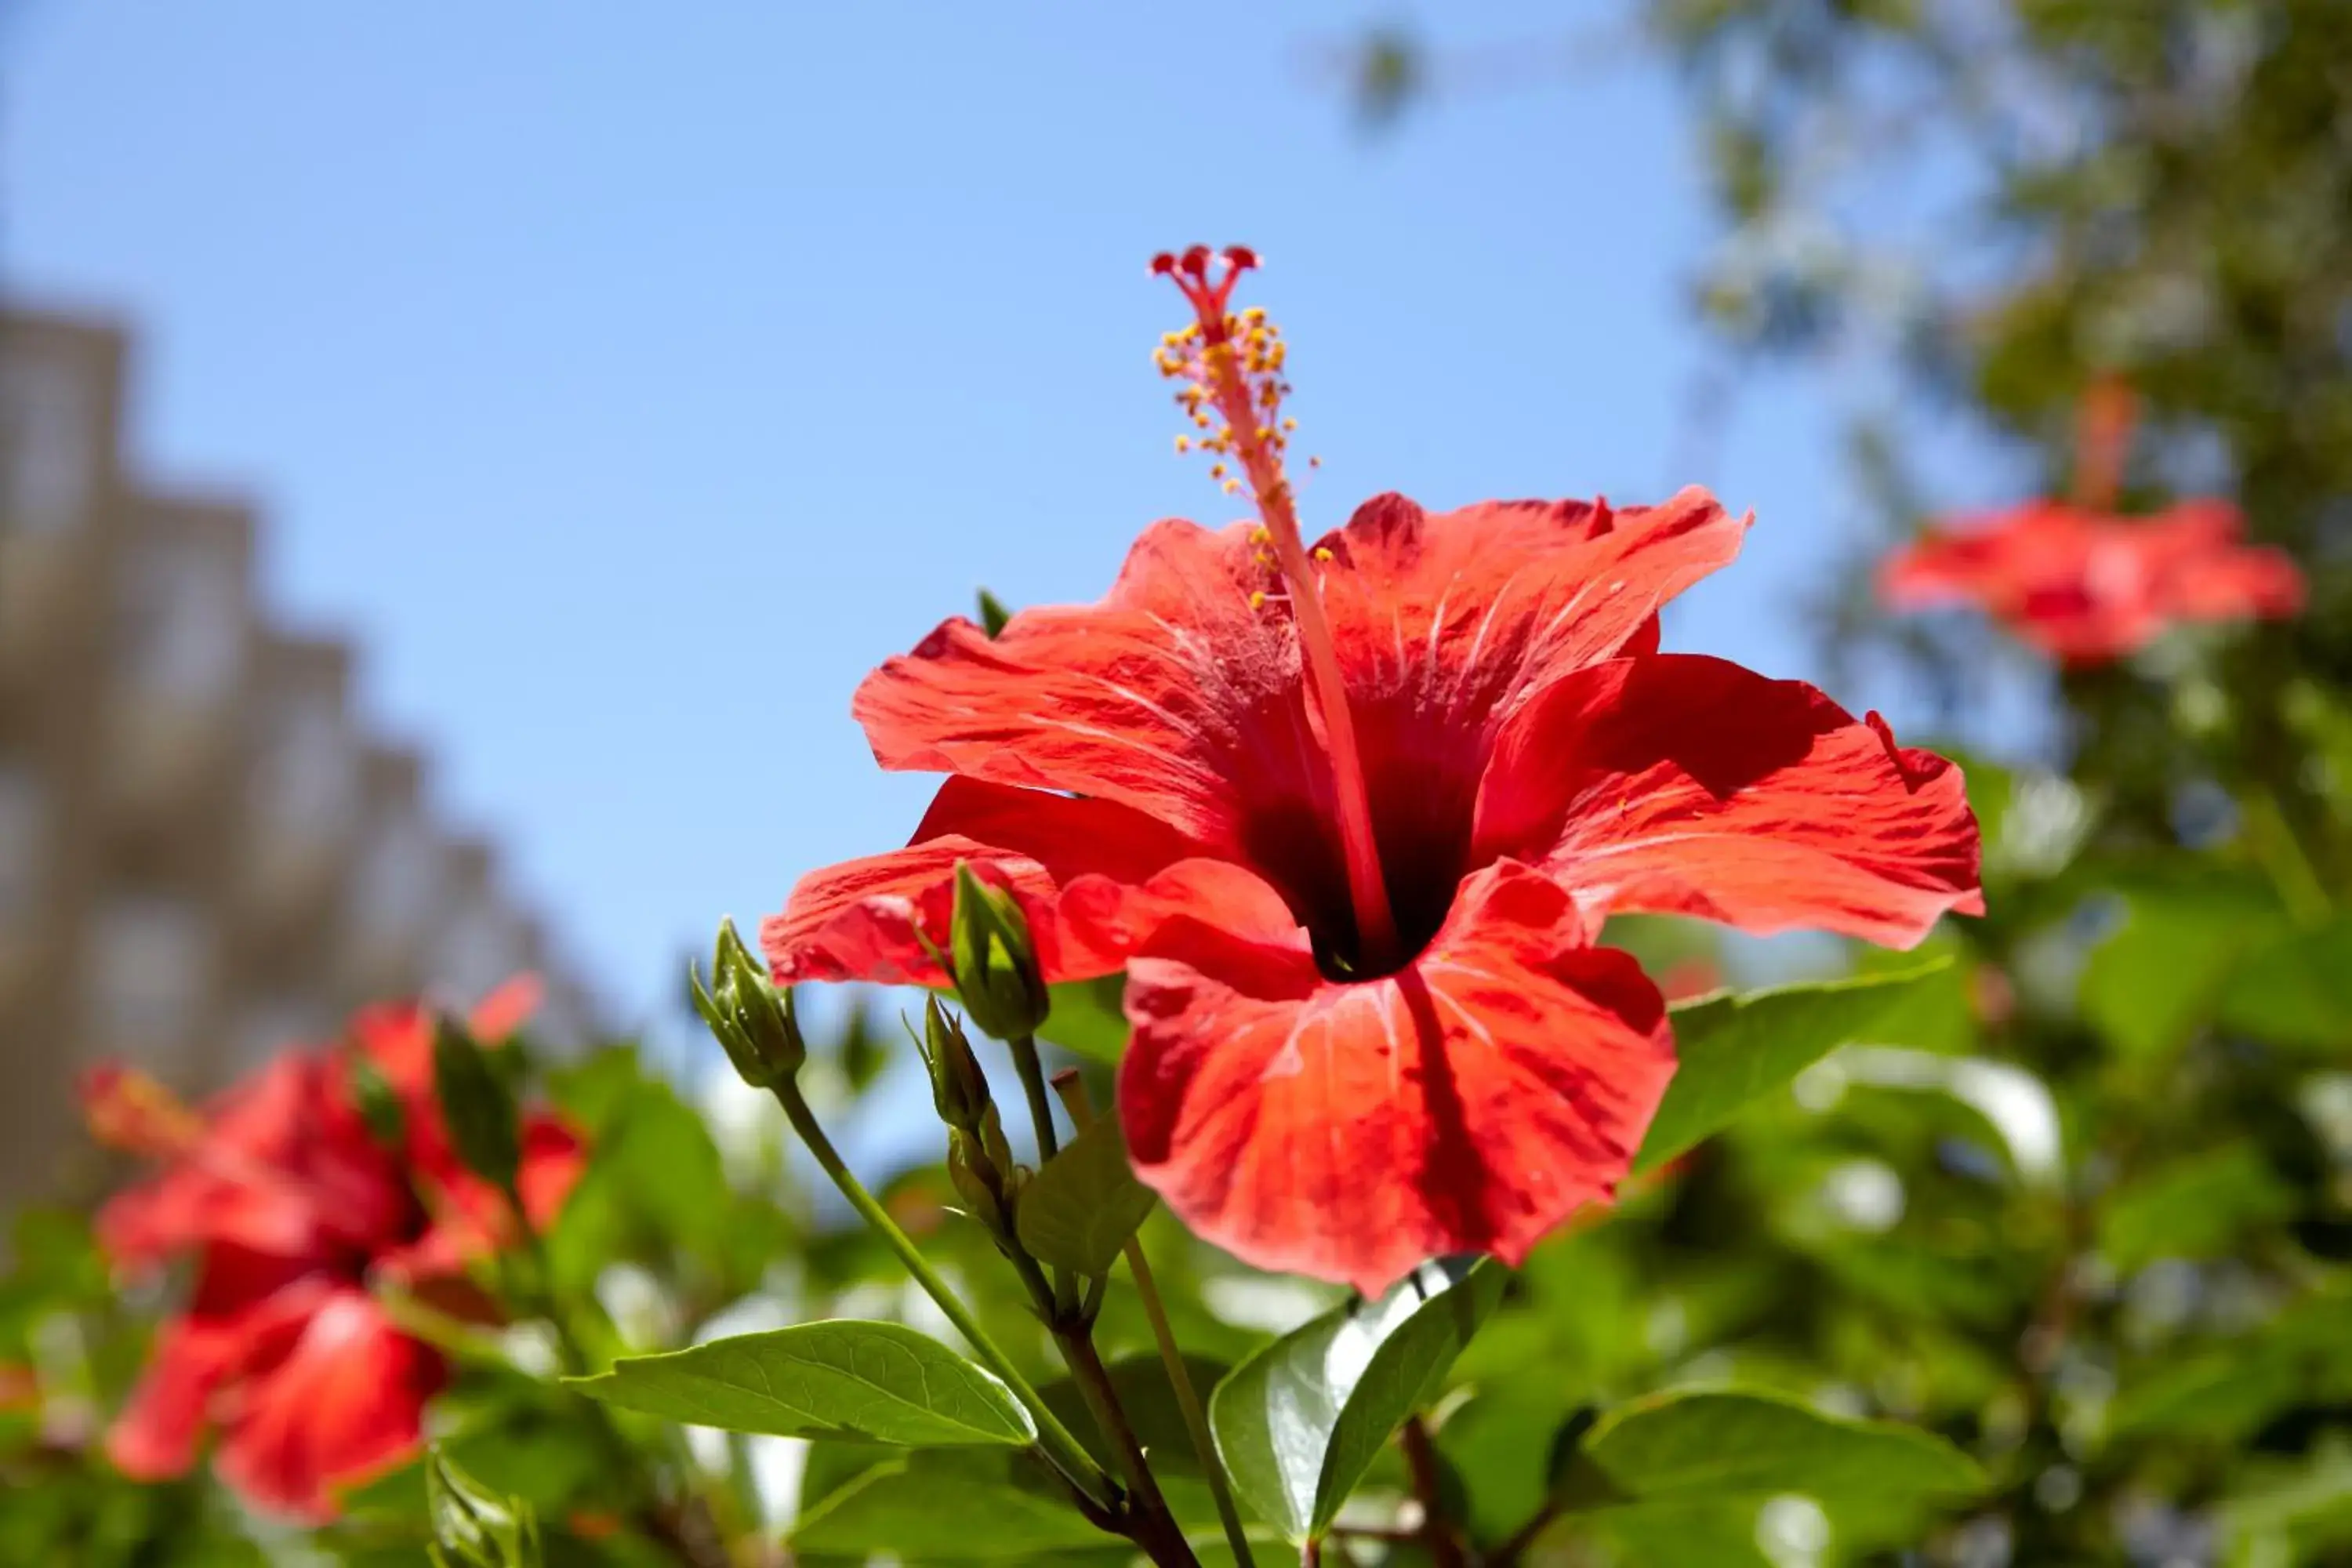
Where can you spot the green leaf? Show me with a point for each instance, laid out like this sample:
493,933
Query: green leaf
2196,1207
2224,1392
478,1104
1706,1445
1499,1443
2295,992
1732,1051
879,1383
972,1508
1085,1019
1299,1422
1080,1210
2159,975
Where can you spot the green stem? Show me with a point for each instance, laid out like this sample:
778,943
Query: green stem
1188,1399
2273,843
539,1296
685,1527
1041,1115
1508,1554
1156,1529
1032,1086
1053,1437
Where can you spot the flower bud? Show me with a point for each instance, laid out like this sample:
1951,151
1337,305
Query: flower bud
995,960
478,1102
977,1181
749,1016
474,1527
959,1089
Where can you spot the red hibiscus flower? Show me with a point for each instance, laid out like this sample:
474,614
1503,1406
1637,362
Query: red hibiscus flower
288,1203
2087,586
1350,818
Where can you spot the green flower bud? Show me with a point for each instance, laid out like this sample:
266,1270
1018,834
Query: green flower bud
995,961
478,1100
977,1181
959,1089
751,1019
474,1527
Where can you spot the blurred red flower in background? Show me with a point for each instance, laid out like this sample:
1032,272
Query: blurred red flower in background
288,1203
1352,817
2087,586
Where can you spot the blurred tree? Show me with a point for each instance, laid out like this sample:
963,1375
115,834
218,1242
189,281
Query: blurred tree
1986,211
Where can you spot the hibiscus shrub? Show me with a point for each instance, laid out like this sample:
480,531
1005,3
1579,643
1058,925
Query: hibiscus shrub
1374,1168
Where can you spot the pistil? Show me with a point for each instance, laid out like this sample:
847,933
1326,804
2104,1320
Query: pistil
1233,368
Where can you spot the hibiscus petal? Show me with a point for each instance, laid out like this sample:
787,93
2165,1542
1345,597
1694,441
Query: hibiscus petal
1683,784
1150,698
1468,1103
868,919
346,1401
155,1436
1470,612
1179,697
2087,587
197,1355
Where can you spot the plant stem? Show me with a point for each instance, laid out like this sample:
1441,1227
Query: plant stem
1041,1115
1033,1085
1156,1529
1062,1448
1507,1555
1072,1091
685,1527
1421,1459
2273,842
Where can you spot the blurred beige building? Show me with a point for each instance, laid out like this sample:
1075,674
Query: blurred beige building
203,854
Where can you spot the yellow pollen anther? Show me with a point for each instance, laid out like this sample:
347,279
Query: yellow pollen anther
1258,600
1323,552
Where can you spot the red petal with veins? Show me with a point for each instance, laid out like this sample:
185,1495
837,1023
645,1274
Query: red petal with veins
868,919
1468,1103
1175,696
1681,784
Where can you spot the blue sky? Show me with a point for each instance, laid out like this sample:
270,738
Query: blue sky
630,383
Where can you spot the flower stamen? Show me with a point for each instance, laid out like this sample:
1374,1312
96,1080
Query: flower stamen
1231,366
